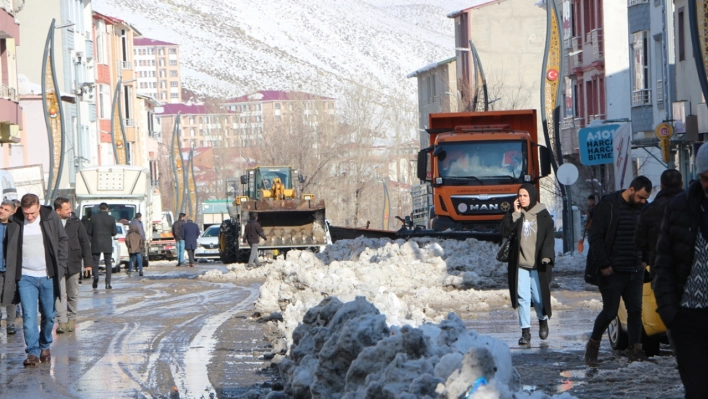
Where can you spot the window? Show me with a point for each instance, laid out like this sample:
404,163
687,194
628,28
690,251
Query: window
641,94
681,35
128,110
191,119
163,84
173,62
191,132
124,44
162,62
162,73
174,73
277,105
101,56
161,51
173,50
173,95
104,101
174,84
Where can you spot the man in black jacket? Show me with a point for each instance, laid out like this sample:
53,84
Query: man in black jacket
649,224
253,233
79,252
179,240
681,281
102,230
36,252
615,255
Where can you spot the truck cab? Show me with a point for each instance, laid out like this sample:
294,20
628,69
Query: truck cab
476,163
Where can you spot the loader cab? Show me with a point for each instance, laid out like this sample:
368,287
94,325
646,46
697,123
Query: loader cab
262,182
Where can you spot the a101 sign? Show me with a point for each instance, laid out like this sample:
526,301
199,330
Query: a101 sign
596,144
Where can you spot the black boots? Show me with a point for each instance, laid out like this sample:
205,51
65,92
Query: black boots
525,336
543,329
592,349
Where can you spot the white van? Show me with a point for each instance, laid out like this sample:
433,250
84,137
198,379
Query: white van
7,184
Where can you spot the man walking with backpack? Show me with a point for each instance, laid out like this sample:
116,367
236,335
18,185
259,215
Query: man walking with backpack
614,256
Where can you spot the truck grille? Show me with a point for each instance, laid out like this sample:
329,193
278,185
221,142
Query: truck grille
483,204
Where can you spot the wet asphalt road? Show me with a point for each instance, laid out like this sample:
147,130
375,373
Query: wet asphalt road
170,335
164,335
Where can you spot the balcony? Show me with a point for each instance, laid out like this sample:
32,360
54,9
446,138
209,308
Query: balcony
569,135
641,97
129,122
577,51
596,42
8,93
126,65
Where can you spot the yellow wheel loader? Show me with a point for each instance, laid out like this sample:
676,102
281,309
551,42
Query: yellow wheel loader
289,221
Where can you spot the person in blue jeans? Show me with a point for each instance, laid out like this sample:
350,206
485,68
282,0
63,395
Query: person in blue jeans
36,255
179,240
531,257
135,243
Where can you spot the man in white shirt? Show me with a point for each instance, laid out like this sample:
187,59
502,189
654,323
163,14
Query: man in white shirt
38,253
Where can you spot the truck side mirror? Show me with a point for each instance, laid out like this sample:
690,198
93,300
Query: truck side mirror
423,162
244,179
440,153
544,158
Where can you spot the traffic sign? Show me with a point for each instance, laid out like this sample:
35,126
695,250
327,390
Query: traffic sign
567,174
664,131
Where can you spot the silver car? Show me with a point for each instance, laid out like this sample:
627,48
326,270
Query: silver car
208,244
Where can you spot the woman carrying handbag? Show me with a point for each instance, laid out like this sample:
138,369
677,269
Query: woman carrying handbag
531,257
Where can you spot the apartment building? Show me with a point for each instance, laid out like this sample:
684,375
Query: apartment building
511,54
74,66
270,110
115,74
689,110
10,110
157,69
618,70
241,121
437,92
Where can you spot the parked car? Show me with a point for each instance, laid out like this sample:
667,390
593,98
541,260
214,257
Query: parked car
208,244
120,237
115,256
653,332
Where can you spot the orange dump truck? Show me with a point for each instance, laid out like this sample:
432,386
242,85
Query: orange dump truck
475,163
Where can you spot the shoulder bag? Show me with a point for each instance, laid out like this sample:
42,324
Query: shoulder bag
503,251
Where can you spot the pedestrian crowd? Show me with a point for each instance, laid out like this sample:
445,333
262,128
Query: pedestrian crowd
631,243
44,256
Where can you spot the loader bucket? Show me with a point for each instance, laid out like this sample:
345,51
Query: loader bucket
289,223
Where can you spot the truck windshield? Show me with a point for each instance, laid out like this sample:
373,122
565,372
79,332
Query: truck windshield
119,212
484,160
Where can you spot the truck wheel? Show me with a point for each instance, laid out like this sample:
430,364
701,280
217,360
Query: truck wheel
228,244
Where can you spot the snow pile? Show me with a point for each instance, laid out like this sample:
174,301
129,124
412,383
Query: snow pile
346,350
415,281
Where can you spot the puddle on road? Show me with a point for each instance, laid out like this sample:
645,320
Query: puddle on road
570,381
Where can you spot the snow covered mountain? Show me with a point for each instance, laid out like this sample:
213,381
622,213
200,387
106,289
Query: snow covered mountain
231,47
